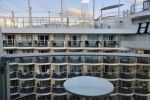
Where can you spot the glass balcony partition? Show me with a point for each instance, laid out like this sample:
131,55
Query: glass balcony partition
42,60
43,87
27,87
59,71
60,59
75,43
9,43
127,60
75,59
143,60
112,43
93,70
76,70
40,43
26,60
143,72
21,43
110,59
58,43
92,44
93,59
43,72
13,71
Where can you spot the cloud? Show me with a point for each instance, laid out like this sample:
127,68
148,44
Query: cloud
77,12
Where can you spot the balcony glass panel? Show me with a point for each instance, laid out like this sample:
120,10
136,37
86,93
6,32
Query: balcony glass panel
12,97
110,59
59,75
58,89
13,74
9,43
127,60
110,75
26,75
57,43
48,97
27,90
12,60
126,90
64,97
75,59
24,43
25,60
127,75
143,60
111,43
74,43
42,60
93,59
143,75
43,75
40,43
92,44
43,90
13,89
59,59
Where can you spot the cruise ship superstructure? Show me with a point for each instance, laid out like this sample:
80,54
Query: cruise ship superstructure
37,59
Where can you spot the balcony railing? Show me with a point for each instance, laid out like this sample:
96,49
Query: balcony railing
58,90
13,74
143,60
47,97
92,60
127,60
110,75
43,90
26,43
74,43
42,60
26,75
111,44
142,90
143,75
9,43
59,75
96,74
27,90
59,60
13,89
42,75
75,74
126,90
127,75
25,60
58,44
110,60
75,60
40,43
92,44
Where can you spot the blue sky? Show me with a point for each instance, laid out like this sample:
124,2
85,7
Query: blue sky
41,7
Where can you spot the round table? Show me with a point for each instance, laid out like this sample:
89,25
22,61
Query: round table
88,87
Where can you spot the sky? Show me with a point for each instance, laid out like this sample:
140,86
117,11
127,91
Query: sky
41,7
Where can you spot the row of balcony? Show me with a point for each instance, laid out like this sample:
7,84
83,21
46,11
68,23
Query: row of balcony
38,90
60,75
81,59
60,90
44,43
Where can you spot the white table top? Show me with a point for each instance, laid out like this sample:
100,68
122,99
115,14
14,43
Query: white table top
87,86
